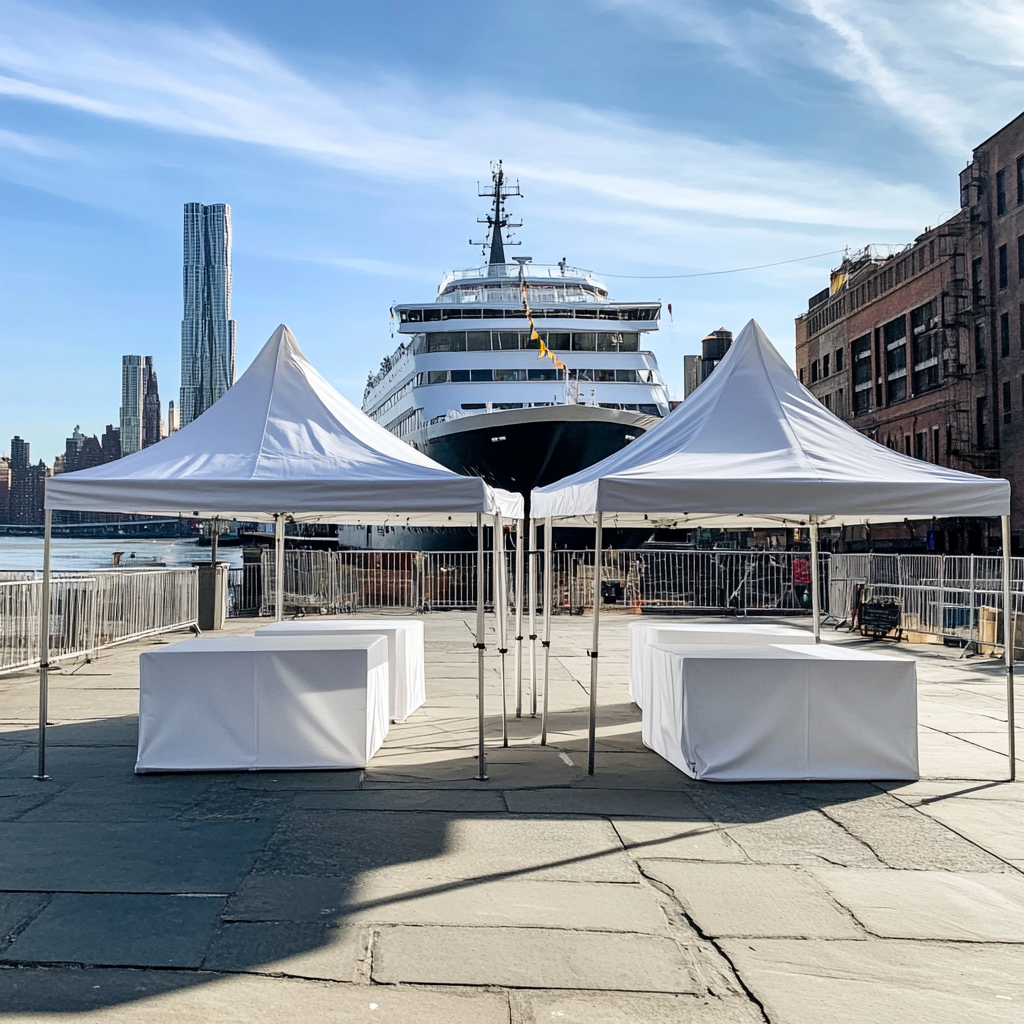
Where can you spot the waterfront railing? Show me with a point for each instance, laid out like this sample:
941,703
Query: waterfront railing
92,611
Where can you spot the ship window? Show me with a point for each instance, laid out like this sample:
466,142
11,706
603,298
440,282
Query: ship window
608,342
460,376
506,405
558,341
603,376
481,375
474,405
437,376
412,316
542,374
650,410
431,314
470,314
526,342
478,341
493,314
419,344
626,376
510,375
583,374
446,341
584,341
451,314
630,342
506,340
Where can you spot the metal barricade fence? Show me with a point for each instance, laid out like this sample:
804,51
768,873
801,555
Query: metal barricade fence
90,611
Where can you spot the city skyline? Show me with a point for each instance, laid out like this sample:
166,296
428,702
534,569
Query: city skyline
350,160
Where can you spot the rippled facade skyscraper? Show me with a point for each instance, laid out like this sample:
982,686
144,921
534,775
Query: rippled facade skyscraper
207,330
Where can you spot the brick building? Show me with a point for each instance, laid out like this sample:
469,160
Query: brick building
923,349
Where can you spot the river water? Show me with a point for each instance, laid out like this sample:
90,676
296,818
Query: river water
18,553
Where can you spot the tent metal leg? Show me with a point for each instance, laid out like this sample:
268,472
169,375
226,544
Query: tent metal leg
1008,646
519,618
44,646
548,577
534,568
501,615
815,581
278,566
481,765
598,523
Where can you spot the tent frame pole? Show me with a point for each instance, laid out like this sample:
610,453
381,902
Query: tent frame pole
592,737
278,566
501,615
534,569
44,645
519,618
546,642
815,595
1008,646
481,764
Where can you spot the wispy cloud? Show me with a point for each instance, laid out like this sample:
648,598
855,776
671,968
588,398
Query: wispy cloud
211,83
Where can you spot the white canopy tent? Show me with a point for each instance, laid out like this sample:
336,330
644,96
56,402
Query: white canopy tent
282,444
751,448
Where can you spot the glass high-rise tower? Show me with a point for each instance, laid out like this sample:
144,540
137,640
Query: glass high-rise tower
207,330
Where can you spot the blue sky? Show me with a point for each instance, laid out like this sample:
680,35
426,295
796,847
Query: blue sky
651,137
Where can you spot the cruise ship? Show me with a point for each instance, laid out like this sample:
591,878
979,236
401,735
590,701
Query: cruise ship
519,372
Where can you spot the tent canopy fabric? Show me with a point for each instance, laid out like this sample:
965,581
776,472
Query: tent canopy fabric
752,447
282,440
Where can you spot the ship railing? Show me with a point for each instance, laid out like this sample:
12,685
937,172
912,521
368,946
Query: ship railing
531,271
92,611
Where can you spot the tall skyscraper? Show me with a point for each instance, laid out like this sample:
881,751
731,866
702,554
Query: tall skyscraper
5,490
151,410
172,418
207,330
133,395
26,494
20,454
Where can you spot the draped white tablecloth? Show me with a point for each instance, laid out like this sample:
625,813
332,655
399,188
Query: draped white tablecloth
274,702
743,713
405,653
643,633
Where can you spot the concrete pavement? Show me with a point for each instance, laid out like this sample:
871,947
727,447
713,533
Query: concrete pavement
413,892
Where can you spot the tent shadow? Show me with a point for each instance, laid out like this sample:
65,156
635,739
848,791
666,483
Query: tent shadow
118,887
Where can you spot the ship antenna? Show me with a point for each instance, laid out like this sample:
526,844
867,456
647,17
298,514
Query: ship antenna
498,191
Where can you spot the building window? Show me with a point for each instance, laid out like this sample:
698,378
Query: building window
1004,267
935,445
921,445
925,348
906,444
981,418
1007,402
860,353
931,251
1020,257
949,442
801,375
1001,192
839,360
839,409
824,365
1004,334
815,371
976,281
894,334
980,356
1020,180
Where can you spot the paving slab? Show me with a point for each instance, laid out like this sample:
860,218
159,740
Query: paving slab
113,800
611,802
931,904
532,958
119,930
328,952
297,781
634,1008
749,899
677,840
16,910
159,856
991,824
47,996
481,801
880,982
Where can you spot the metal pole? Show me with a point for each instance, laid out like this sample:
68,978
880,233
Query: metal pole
480,646
44,645
549,581
501,615
534,569
1008,645
815,596
213,541
519,618
598,523
278,566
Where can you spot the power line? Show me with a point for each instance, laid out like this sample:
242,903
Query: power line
714,273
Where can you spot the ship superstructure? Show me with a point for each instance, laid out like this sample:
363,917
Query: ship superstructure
470,385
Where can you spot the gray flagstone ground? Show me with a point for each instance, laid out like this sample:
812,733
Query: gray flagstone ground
413,893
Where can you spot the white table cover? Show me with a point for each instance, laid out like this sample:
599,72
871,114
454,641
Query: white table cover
742,713
643,633
276,702
405,653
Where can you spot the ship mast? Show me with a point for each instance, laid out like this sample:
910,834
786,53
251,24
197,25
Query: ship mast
499,190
